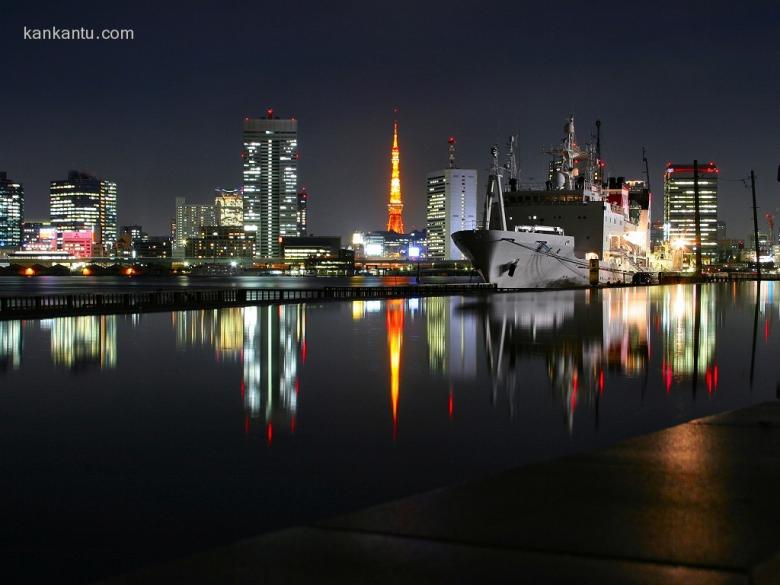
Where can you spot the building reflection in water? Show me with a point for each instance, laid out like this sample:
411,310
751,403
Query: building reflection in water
82,342
689,325
10,345
274,347
270,344
222,329
452,339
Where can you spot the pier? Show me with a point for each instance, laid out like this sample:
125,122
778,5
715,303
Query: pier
55,305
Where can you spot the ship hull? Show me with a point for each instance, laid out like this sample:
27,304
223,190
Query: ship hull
511,259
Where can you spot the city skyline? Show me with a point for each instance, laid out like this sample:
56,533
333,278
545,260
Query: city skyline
131,131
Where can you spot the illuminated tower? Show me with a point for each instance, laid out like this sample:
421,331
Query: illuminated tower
395,222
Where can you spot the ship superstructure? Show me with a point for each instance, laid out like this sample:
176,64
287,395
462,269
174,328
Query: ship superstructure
546,236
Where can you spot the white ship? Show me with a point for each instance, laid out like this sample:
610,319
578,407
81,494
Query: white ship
558,236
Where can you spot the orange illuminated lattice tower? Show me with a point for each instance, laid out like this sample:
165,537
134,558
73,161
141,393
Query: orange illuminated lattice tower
395,222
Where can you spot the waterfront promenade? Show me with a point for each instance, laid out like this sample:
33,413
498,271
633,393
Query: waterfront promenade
695,503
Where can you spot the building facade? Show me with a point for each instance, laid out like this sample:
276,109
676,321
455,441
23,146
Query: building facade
679,207
221,242
83,202
191,218
451,207
11,212
229,207
270,161
303,213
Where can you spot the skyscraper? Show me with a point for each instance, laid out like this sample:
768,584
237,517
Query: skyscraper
84,202
270,158
190,218
679,207
451,207
395,222
11,212
229,207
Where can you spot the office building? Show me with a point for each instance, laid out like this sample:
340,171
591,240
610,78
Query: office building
301,248
451,207
679,207
83,202
191,218
318,254
134,232
303,219
221,242
153,247
270,160
11,212
229,207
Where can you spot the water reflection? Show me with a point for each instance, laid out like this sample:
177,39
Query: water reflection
10,345
270,344
569,345
80,343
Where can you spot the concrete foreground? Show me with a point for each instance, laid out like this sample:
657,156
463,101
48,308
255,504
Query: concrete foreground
696,503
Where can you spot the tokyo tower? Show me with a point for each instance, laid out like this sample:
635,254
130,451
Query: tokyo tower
394,221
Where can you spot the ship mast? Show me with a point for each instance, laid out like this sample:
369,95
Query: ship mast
511,164
494,187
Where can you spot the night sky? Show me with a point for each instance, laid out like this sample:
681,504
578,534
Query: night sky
162,114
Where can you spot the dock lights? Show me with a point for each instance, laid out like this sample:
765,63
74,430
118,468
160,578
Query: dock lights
29,272
85,271
129,271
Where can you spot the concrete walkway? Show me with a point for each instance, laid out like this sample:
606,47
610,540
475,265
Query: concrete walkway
697,503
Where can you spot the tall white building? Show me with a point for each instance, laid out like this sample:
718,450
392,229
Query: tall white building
451,207
270,159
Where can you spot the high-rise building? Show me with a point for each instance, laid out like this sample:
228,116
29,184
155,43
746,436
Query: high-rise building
190,219
395,207
229,207
134,232
11,212
451,207
679,207
303,214
270,159
83,202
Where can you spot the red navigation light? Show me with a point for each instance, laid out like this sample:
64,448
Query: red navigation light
450,405
269,113
269,432
292,424
451,140
601,382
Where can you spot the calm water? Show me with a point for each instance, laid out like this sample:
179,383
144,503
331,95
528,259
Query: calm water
130,439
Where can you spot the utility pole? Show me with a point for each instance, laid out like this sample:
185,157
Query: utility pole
755,224
697,216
